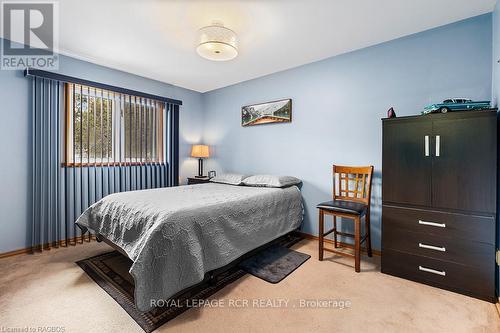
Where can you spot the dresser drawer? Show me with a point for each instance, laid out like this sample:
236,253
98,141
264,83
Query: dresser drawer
473,281
443,248
441,224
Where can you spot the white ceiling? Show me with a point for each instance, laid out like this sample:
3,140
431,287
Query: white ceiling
157,39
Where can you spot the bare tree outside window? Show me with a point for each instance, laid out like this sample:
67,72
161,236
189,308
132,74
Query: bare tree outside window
107,128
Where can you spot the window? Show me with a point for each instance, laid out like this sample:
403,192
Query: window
107,128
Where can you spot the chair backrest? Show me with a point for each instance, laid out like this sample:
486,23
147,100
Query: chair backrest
352,183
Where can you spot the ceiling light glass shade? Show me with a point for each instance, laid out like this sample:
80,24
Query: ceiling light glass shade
217,43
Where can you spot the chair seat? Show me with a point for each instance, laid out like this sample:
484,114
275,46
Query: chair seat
343,206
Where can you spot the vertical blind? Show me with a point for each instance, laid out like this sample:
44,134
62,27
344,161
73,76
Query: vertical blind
89,142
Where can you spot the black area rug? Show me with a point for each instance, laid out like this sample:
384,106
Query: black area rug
275,263
111,272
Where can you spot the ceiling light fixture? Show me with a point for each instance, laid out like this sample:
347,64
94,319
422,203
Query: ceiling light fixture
217,43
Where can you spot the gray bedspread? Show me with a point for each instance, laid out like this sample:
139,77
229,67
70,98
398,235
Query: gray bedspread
175,235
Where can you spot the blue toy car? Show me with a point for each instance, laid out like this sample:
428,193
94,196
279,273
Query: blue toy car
456,104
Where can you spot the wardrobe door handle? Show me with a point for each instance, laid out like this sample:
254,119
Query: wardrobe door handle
438,145
426,145
432,224
432,247
430,270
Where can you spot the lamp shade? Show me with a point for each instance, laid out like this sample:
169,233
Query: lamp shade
217,43
200,151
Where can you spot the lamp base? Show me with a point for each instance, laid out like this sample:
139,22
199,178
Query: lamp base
200,177
200,169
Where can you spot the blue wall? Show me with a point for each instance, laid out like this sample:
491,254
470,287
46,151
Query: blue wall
338,103
337,106
496,54
15,138
496,90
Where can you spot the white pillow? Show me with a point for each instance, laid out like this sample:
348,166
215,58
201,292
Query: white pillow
271,181
229,178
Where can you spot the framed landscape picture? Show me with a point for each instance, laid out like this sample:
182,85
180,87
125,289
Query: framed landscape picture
267,113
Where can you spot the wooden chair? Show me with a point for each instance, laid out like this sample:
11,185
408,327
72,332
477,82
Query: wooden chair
351,199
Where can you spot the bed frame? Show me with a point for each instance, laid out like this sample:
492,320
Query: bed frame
213,276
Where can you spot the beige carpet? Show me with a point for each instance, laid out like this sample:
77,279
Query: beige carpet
50,290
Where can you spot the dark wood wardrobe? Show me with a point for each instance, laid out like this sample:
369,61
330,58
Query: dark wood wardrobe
439,200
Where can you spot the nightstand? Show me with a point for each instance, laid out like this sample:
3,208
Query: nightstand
194,180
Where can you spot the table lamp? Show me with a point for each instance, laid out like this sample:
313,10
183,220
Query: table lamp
201,152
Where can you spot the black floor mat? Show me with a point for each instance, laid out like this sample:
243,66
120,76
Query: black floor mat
274,263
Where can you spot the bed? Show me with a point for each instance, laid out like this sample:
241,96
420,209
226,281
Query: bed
175,235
